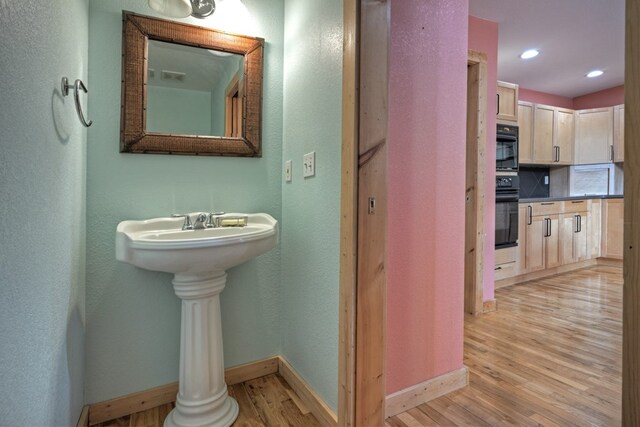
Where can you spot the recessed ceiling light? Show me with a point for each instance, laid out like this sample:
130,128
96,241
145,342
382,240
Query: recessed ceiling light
595,73
528,54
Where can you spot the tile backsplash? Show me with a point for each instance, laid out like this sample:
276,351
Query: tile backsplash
534,182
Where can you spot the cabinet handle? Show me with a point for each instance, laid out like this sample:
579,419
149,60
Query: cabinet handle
498,268
576,228
579,223
556,153
578,201
547,203
611,153
546,228
548,219
498,104
530,210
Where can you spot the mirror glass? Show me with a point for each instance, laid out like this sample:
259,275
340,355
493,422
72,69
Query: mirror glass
193,91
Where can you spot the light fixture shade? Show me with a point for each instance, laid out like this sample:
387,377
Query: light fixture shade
172,8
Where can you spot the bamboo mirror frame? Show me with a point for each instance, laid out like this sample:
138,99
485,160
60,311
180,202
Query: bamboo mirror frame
137,30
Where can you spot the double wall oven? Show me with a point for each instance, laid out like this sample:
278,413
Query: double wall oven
507,186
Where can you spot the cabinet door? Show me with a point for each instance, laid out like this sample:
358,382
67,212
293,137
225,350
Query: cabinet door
618,133
534,245
568,227
525,132
507,101
552,242
564,142
594,134
613,228
523,219
543,134
594,227
580,239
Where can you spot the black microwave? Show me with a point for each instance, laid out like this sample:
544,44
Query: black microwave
507,148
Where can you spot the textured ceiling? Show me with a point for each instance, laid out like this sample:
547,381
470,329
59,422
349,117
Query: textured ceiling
573,36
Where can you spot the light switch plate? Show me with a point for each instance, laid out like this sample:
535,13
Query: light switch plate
309,164
287,171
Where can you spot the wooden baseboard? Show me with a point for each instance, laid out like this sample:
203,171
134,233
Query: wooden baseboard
489,306
318,407
147,399
411,397
544,273
83,421
612,262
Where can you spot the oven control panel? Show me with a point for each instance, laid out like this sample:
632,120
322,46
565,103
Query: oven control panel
506,182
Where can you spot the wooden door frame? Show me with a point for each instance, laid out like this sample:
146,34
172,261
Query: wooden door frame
631,294
362,319
474,214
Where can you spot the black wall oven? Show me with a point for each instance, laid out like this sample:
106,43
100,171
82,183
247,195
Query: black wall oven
507,194
507,148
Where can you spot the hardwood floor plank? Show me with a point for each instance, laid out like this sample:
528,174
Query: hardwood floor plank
551,355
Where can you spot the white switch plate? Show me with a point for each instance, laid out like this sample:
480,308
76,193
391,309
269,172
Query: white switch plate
309,164
287,171
546,180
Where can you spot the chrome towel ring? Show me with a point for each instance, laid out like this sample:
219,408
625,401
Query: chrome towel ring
78,86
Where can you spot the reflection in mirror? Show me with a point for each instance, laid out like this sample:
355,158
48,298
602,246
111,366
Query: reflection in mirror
193,91
189,90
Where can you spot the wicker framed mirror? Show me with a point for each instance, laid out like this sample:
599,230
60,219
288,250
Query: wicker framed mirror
241,103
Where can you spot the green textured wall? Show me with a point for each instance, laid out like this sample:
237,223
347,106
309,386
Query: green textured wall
42,217
133,316
311,206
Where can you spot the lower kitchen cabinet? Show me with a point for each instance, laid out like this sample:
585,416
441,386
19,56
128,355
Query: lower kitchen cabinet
542,238
573,237
612,228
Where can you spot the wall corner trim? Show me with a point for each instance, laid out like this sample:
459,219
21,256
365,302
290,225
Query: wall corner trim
418,394
489,306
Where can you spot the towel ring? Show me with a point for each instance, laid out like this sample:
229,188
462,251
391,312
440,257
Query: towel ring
77,87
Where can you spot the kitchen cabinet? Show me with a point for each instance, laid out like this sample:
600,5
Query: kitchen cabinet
564,133
506,265
543,134
612,228
546,134
542,236
594,228
574,226
507,101
525,132
594,136
618,133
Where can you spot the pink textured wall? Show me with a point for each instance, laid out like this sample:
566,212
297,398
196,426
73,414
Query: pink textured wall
534,96
483,37
426,189
604,98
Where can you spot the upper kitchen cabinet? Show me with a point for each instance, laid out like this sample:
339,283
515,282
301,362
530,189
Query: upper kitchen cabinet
618,133
546,134
594,136
507,101
543,134
525,132
564,142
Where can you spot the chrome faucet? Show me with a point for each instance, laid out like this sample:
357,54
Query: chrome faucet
212,220
199,223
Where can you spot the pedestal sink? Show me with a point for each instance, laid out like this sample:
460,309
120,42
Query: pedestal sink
199,260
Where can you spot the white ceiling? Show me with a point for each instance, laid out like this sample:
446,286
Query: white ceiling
573,36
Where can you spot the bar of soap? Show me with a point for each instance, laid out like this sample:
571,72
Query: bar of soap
233,222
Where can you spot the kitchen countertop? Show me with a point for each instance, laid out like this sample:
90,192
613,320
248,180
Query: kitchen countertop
560,199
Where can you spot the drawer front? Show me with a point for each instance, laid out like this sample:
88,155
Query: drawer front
506,255
546,208
504,271
575,206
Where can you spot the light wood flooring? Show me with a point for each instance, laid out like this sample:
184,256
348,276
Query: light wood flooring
264,402
550,356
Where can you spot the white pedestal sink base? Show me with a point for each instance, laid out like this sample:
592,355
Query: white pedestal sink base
203,399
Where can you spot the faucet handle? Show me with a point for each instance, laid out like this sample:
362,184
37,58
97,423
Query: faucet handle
212,221
187,221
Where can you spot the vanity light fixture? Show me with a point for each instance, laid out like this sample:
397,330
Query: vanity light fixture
183,8
595,73
528,54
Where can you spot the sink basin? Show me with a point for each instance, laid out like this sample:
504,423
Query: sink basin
199,260
161,245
